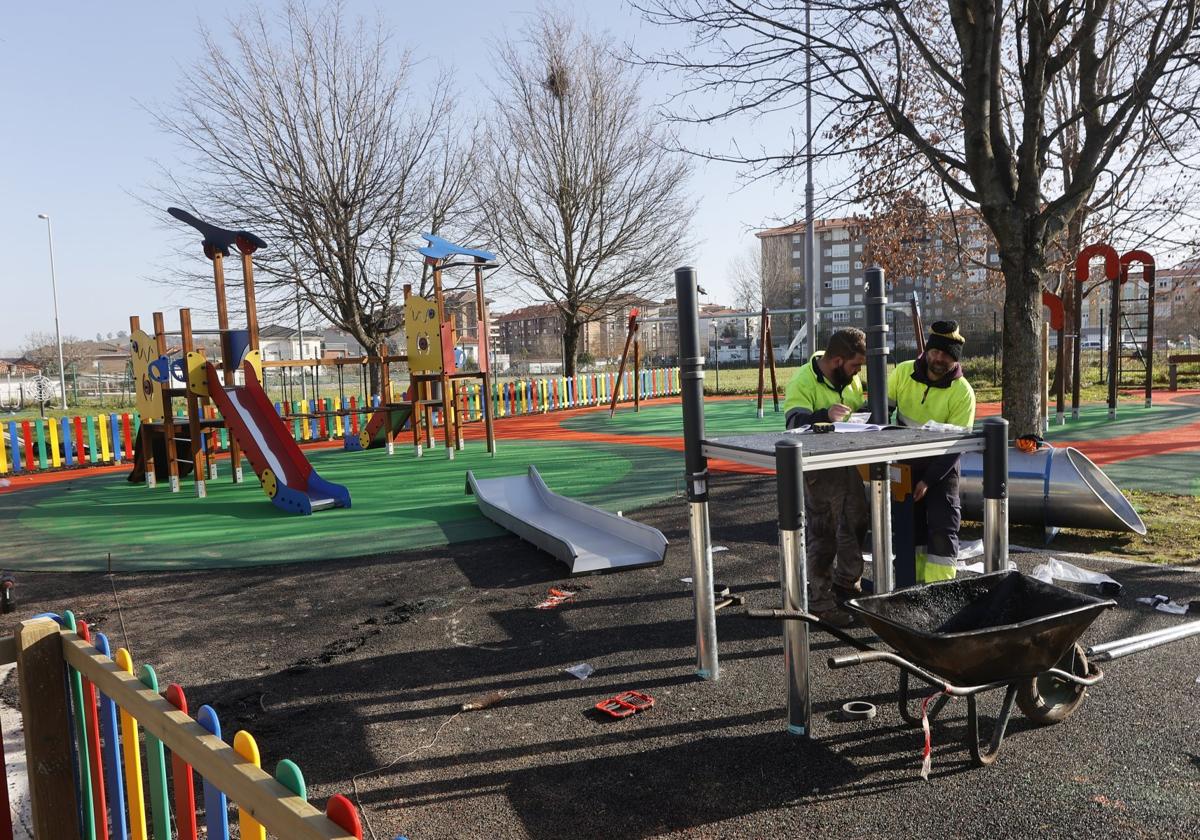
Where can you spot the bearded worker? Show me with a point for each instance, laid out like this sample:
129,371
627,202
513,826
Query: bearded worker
828,389
933,387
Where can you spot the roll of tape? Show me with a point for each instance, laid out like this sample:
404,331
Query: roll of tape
858,710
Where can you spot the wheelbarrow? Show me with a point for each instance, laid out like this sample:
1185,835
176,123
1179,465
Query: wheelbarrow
999,631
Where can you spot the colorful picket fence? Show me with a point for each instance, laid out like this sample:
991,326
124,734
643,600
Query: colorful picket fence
89,775
70,442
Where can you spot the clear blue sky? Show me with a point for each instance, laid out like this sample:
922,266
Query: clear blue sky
78,145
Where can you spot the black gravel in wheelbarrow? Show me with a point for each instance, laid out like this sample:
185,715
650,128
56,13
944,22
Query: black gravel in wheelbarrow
991,628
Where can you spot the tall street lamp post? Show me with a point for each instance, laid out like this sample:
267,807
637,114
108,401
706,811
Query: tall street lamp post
62,373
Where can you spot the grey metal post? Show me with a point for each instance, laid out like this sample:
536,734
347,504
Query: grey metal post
995,494
691,383
793,581
877,353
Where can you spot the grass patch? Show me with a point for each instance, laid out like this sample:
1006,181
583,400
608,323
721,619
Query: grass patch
1172,533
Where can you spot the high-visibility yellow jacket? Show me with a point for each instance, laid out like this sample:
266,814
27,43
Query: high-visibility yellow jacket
809,395
919,400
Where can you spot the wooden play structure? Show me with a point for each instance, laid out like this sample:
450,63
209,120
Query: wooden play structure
233,387
434,377
86,713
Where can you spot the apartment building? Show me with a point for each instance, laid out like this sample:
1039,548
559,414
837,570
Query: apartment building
960,291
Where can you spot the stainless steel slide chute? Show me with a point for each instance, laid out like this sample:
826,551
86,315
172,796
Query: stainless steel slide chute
1054,487
584,537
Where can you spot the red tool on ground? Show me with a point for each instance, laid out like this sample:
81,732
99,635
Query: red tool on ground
625,704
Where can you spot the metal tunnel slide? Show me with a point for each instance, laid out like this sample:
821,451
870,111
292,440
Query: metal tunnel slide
1054,487
586,538
286,475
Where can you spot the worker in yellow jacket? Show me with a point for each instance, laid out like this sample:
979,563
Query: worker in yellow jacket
933,388
828,389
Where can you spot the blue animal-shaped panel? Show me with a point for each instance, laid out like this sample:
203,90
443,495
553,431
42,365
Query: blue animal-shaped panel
440,249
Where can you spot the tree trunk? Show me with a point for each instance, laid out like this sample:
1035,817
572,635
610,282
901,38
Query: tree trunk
570,344
1022,356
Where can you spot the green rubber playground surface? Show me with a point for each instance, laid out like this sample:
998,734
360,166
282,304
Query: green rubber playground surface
721,417
399,503
1177,473
1132,419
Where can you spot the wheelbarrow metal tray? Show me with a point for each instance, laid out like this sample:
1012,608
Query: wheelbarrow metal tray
983,629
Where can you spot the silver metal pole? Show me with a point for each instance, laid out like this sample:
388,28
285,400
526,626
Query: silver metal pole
793,582
707,665
812,275
995,495
881,529
1134,644
62,373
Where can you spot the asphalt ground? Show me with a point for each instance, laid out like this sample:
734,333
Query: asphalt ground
357,668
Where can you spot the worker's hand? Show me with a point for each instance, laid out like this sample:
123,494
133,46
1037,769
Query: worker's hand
919,491
838,412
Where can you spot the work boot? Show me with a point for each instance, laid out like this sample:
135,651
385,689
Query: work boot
836,618
846,593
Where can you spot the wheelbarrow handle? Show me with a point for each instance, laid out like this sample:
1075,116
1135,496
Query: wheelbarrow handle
809,618
851,659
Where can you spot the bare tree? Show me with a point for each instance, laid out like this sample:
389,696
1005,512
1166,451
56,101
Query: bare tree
305,131
993,63
41,350
586,203
746,278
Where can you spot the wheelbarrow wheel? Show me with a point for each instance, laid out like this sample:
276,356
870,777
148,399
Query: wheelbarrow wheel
1046,699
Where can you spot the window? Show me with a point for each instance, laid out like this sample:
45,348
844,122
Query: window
828,284
797,253
797,237
828,252
858,265
842,250
841,317
858,298
841,300
993,258
841,235
841,282
840,267
858,247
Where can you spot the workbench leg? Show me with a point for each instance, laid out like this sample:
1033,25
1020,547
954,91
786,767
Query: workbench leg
793,578
707,666
884,573
995,494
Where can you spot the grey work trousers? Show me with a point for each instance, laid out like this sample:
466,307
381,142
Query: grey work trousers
837,518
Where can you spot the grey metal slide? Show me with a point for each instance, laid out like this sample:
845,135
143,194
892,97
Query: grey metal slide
586,538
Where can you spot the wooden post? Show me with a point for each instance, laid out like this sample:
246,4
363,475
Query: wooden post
168,416
485,367
199,456
227,370
1045,405
630,332
771,362
1114,341
637,370
447,416
1060,415
918,328
41,669
251,304
135,324
762,357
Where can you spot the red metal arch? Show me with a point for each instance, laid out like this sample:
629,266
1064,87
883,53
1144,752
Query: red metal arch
1054,303
1112,262
1147,262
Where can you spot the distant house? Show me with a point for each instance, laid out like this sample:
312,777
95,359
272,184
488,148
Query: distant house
278,343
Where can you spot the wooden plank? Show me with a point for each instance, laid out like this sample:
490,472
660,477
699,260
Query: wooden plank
47,729
255,791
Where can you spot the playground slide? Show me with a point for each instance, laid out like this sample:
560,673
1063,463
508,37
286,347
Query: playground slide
586,538
286,475
375,433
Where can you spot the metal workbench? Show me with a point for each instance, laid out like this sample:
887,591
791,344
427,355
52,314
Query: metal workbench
791,455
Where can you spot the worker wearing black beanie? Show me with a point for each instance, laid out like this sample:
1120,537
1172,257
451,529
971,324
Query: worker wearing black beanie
944,336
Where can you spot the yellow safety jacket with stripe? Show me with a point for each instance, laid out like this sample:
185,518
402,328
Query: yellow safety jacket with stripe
809,395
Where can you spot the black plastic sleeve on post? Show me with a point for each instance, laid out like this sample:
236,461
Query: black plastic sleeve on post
995,458
877,349
789,483
691,383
